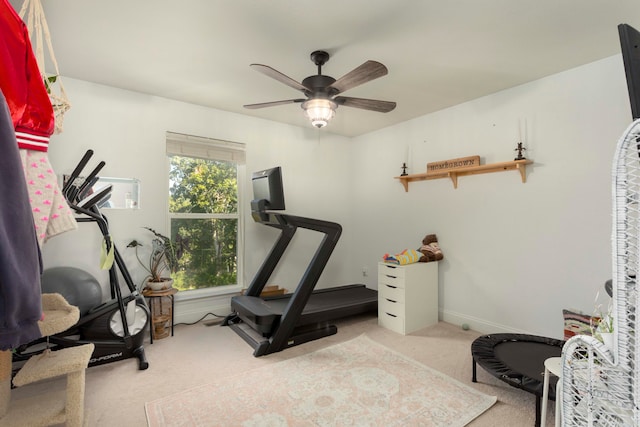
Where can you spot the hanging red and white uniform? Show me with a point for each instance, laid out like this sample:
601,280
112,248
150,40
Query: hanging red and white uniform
33,120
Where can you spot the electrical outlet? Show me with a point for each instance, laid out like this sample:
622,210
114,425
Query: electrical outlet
365,271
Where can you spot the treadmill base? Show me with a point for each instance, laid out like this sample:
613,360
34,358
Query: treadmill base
262,345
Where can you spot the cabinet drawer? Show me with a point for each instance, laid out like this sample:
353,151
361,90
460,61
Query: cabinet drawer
391,292
391,322
385,279
391,270
391,307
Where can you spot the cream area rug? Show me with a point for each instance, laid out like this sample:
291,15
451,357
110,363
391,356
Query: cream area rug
355,383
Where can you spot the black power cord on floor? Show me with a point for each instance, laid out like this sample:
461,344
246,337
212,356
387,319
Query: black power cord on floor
201,319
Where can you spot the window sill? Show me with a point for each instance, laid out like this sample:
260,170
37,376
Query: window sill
208,292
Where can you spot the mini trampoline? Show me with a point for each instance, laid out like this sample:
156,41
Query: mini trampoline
518,360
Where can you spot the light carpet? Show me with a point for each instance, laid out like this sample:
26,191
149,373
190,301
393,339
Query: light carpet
358,382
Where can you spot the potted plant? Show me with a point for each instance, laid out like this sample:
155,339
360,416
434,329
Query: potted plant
602,326
163,260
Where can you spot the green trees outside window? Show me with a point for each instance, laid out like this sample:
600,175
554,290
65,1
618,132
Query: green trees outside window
203,207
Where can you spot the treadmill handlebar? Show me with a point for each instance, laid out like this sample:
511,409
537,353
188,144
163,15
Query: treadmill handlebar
280,220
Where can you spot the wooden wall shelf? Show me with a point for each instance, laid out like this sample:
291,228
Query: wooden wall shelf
519,165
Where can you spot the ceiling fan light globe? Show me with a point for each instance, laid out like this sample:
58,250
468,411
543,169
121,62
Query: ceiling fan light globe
319,111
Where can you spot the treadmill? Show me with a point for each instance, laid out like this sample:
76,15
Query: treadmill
275,323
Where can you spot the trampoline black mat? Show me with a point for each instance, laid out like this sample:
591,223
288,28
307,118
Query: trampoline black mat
518,360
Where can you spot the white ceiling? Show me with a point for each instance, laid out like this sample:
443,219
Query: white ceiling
439,53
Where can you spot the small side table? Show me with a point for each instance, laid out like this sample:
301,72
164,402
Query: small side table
552,365
160,312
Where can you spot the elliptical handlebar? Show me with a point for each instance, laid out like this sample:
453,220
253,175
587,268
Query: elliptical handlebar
76,172
90,180
81,197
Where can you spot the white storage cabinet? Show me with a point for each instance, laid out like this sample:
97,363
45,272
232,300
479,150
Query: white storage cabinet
407,296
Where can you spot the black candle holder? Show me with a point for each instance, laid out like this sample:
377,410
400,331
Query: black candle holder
519,149
404,170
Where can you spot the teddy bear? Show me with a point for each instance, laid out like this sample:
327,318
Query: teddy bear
430,249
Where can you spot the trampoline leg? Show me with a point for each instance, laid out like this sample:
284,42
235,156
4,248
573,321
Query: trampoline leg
473,378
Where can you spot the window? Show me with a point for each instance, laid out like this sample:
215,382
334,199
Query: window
205,209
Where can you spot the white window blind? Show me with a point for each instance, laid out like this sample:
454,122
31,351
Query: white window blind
179,144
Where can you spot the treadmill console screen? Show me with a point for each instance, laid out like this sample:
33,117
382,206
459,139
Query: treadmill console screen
268,192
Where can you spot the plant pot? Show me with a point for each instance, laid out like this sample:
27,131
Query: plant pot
166,283
607,339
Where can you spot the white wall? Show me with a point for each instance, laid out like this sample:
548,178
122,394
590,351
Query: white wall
515,254
127,131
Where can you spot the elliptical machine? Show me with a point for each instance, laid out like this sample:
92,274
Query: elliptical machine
115,327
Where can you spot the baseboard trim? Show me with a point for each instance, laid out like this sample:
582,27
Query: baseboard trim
477,324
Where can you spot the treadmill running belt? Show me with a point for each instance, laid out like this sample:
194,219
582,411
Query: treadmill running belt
323,305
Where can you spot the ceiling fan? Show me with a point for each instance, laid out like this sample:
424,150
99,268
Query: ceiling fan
321,90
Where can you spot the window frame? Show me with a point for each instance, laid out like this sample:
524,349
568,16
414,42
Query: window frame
183,145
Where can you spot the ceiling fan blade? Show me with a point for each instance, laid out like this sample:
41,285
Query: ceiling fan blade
365,104
272,104
366,72
275,74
